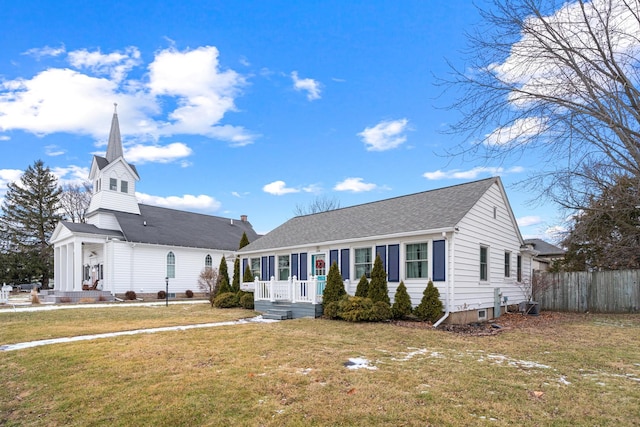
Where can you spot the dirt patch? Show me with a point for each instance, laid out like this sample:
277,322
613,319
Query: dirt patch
506,322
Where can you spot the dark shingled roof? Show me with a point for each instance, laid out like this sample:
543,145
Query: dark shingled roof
544,248
91,229
172,227
429,210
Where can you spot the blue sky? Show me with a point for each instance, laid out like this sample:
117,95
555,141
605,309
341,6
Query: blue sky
247,107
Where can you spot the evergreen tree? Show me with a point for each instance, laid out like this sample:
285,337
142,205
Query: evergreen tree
378,286
223,277
401,302
248,277
244,241
30,212
363,287
235,285
430,307
334,290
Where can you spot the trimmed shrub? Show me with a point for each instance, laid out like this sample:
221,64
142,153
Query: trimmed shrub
130,295
378,286
235,283
246,300
223,277
380,311
430,308
355,309
162,295
331,310
362,290
188,293
226,300
247,277
401,303
334,290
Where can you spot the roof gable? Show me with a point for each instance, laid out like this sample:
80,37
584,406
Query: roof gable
431,210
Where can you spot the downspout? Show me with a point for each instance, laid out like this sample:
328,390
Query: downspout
451,274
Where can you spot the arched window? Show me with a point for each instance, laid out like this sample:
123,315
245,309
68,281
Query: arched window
171,265
208,262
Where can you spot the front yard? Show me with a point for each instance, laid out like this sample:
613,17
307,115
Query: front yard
556,369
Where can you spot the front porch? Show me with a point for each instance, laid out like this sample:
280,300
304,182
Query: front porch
291,298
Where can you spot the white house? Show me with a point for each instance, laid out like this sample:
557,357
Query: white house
126,246
465,238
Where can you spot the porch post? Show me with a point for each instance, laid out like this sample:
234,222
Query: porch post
272,289
314,289
256,289
294,288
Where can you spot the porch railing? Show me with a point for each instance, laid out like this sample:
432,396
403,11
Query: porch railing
293,290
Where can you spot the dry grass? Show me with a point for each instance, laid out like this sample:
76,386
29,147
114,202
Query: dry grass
572,370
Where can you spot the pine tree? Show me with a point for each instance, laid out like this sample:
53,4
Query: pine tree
30,212
248,277
362,290
223,277
401,302
244,241
378,286
334,290
235,285
430,307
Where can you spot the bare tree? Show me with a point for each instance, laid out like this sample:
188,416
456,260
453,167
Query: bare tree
319,204
75,201
562,77
208,283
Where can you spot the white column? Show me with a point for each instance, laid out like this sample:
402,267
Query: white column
272,289
56,269
77,265
68,267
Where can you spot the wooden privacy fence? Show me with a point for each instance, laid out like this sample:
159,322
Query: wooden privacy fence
601,291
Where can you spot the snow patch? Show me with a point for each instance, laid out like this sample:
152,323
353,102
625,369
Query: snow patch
359,363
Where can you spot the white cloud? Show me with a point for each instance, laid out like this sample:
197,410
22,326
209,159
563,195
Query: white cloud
385,135
8,176
186,202
527,221
139,154
54,150
312,87
471,173
519,131
115,64
75,175
41,52
278,188
354,185
78,99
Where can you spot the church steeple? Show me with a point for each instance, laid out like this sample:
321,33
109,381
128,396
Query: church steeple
114,148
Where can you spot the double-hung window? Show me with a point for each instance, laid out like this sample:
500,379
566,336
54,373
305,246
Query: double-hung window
124,187
255,267
283,267
507,264
363,262
484,263
208,262
113,184
416,261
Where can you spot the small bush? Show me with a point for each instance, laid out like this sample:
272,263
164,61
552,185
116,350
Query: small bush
362,290
130,295
355,309
334,289
331,309
102,298
86,300
162,295
246,300
380,312
401,303
226,300
430,308
65,299
189,293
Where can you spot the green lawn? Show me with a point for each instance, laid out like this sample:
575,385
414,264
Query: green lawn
571,370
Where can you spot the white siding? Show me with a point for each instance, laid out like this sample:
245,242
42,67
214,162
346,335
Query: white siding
480,228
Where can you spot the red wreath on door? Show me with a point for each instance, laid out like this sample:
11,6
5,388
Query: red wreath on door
319,263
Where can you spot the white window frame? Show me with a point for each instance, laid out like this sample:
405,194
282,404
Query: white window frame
507,264
424,259
258,268
367,264
484,277
113,184
171,265
124,186
284,268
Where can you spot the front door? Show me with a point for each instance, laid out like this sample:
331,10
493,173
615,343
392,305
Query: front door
319,269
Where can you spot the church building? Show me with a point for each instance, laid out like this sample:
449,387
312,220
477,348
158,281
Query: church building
128,246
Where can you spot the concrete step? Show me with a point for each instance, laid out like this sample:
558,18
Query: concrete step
278,314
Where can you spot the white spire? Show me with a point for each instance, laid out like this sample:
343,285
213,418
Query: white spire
114,148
